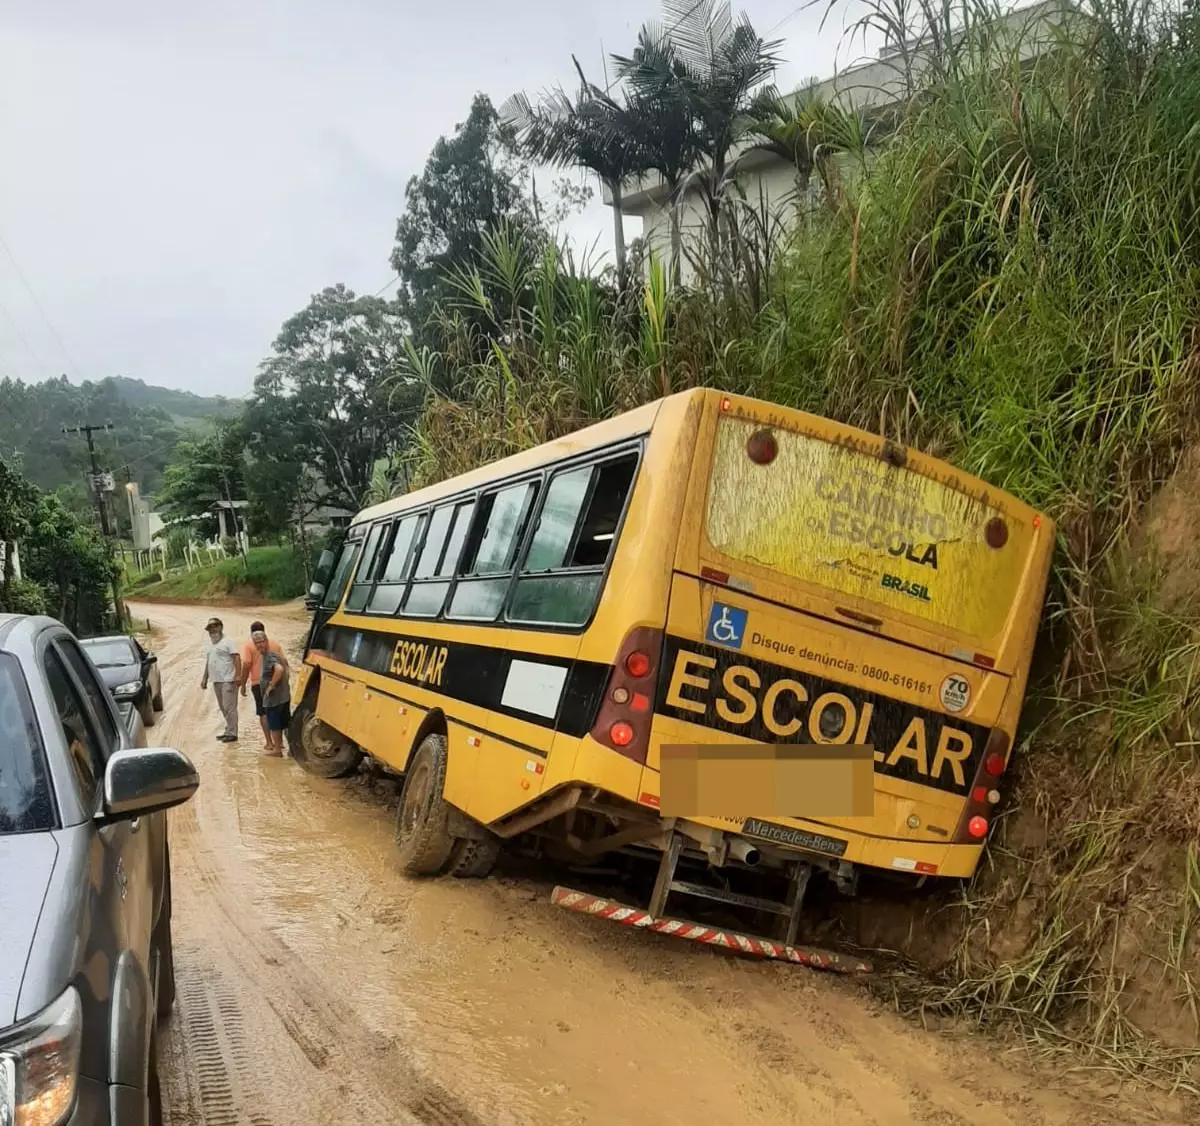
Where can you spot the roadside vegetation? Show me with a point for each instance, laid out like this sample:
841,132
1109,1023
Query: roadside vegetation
268,574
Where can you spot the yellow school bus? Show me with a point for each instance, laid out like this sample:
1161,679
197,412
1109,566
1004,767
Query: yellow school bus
519,642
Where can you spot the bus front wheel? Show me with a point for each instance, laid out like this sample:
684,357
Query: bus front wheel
318,748
422,821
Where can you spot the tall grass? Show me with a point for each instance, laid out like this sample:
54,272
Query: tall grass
1009,281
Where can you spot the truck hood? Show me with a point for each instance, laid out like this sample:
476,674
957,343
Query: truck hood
26,865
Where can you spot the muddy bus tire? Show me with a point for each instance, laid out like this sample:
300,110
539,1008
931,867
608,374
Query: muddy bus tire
319,748
475,859
423,836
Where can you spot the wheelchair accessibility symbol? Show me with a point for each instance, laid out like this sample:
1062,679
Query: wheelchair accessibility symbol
726,625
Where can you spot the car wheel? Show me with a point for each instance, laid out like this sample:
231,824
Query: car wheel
158,704
319,748
154,1107
422,819
165,946
147,713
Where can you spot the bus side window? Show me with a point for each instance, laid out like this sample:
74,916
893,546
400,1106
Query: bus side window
563,571
438,559
393,568
491,552
366,568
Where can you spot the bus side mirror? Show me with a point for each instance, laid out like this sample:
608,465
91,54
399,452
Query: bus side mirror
316,591
324,567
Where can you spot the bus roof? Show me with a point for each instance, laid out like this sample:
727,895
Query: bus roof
637,421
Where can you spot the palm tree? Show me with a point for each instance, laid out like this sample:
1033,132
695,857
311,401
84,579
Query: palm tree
593,130
808,132
711,64
662,121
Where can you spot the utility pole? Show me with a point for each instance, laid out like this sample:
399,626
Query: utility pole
97,490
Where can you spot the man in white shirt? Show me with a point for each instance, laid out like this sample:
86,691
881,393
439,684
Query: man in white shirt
223,667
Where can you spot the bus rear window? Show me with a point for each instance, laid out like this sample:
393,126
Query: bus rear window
842,519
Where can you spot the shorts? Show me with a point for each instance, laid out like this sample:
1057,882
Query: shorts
256,691
278,716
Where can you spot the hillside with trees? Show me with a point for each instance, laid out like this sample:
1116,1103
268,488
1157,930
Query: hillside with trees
147,422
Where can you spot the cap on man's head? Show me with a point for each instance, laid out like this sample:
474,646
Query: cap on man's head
257,633
214,623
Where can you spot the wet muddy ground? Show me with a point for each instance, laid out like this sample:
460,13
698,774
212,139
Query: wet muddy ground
317,984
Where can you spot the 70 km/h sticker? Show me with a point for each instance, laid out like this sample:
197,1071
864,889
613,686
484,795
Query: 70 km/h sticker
955,692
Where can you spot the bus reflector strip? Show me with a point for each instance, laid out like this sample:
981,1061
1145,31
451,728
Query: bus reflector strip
535,767
923,867
733,941
474,741
650,799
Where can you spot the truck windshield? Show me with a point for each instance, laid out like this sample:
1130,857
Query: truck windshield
25,801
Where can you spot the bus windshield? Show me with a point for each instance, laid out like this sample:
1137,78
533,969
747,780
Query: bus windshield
847,521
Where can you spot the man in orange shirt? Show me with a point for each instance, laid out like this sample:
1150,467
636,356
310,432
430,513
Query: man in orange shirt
252,674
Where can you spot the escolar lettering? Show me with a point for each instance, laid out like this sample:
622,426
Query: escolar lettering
740,696
419,661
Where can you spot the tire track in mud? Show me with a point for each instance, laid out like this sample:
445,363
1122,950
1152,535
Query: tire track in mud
326,1033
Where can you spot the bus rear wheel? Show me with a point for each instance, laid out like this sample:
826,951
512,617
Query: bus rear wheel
319,748
426,845
475,859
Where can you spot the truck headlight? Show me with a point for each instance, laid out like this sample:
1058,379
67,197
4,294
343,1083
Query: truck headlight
39,1065
132,688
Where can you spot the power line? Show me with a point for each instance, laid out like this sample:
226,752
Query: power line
790,16
38,305
37,360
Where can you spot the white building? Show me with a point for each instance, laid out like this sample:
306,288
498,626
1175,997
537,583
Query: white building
869,87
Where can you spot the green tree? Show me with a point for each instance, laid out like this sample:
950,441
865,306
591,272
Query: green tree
206,469
329,405
661,122
471,182
71,563
708,65
17,498
591,130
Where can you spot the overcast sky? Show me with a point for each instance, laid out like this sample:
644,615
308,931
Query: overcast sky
176,179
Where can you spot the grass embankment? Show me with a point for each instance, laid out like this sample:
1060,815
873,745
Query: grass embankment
269,574
1011,283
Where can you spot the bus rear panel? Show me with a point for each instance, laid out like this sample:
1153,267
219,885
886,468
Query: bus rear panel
831,589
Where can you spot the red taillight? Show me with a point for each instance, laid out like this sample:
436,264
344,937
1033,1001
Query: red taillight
638,664
726,403
981,799
623,719
622,735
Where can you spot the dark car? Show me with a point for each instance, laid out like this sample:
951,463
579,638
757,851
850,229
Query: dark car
131,673
85,889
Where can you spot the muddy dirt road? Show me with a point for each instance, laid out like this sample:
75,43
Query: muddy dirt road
316,984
